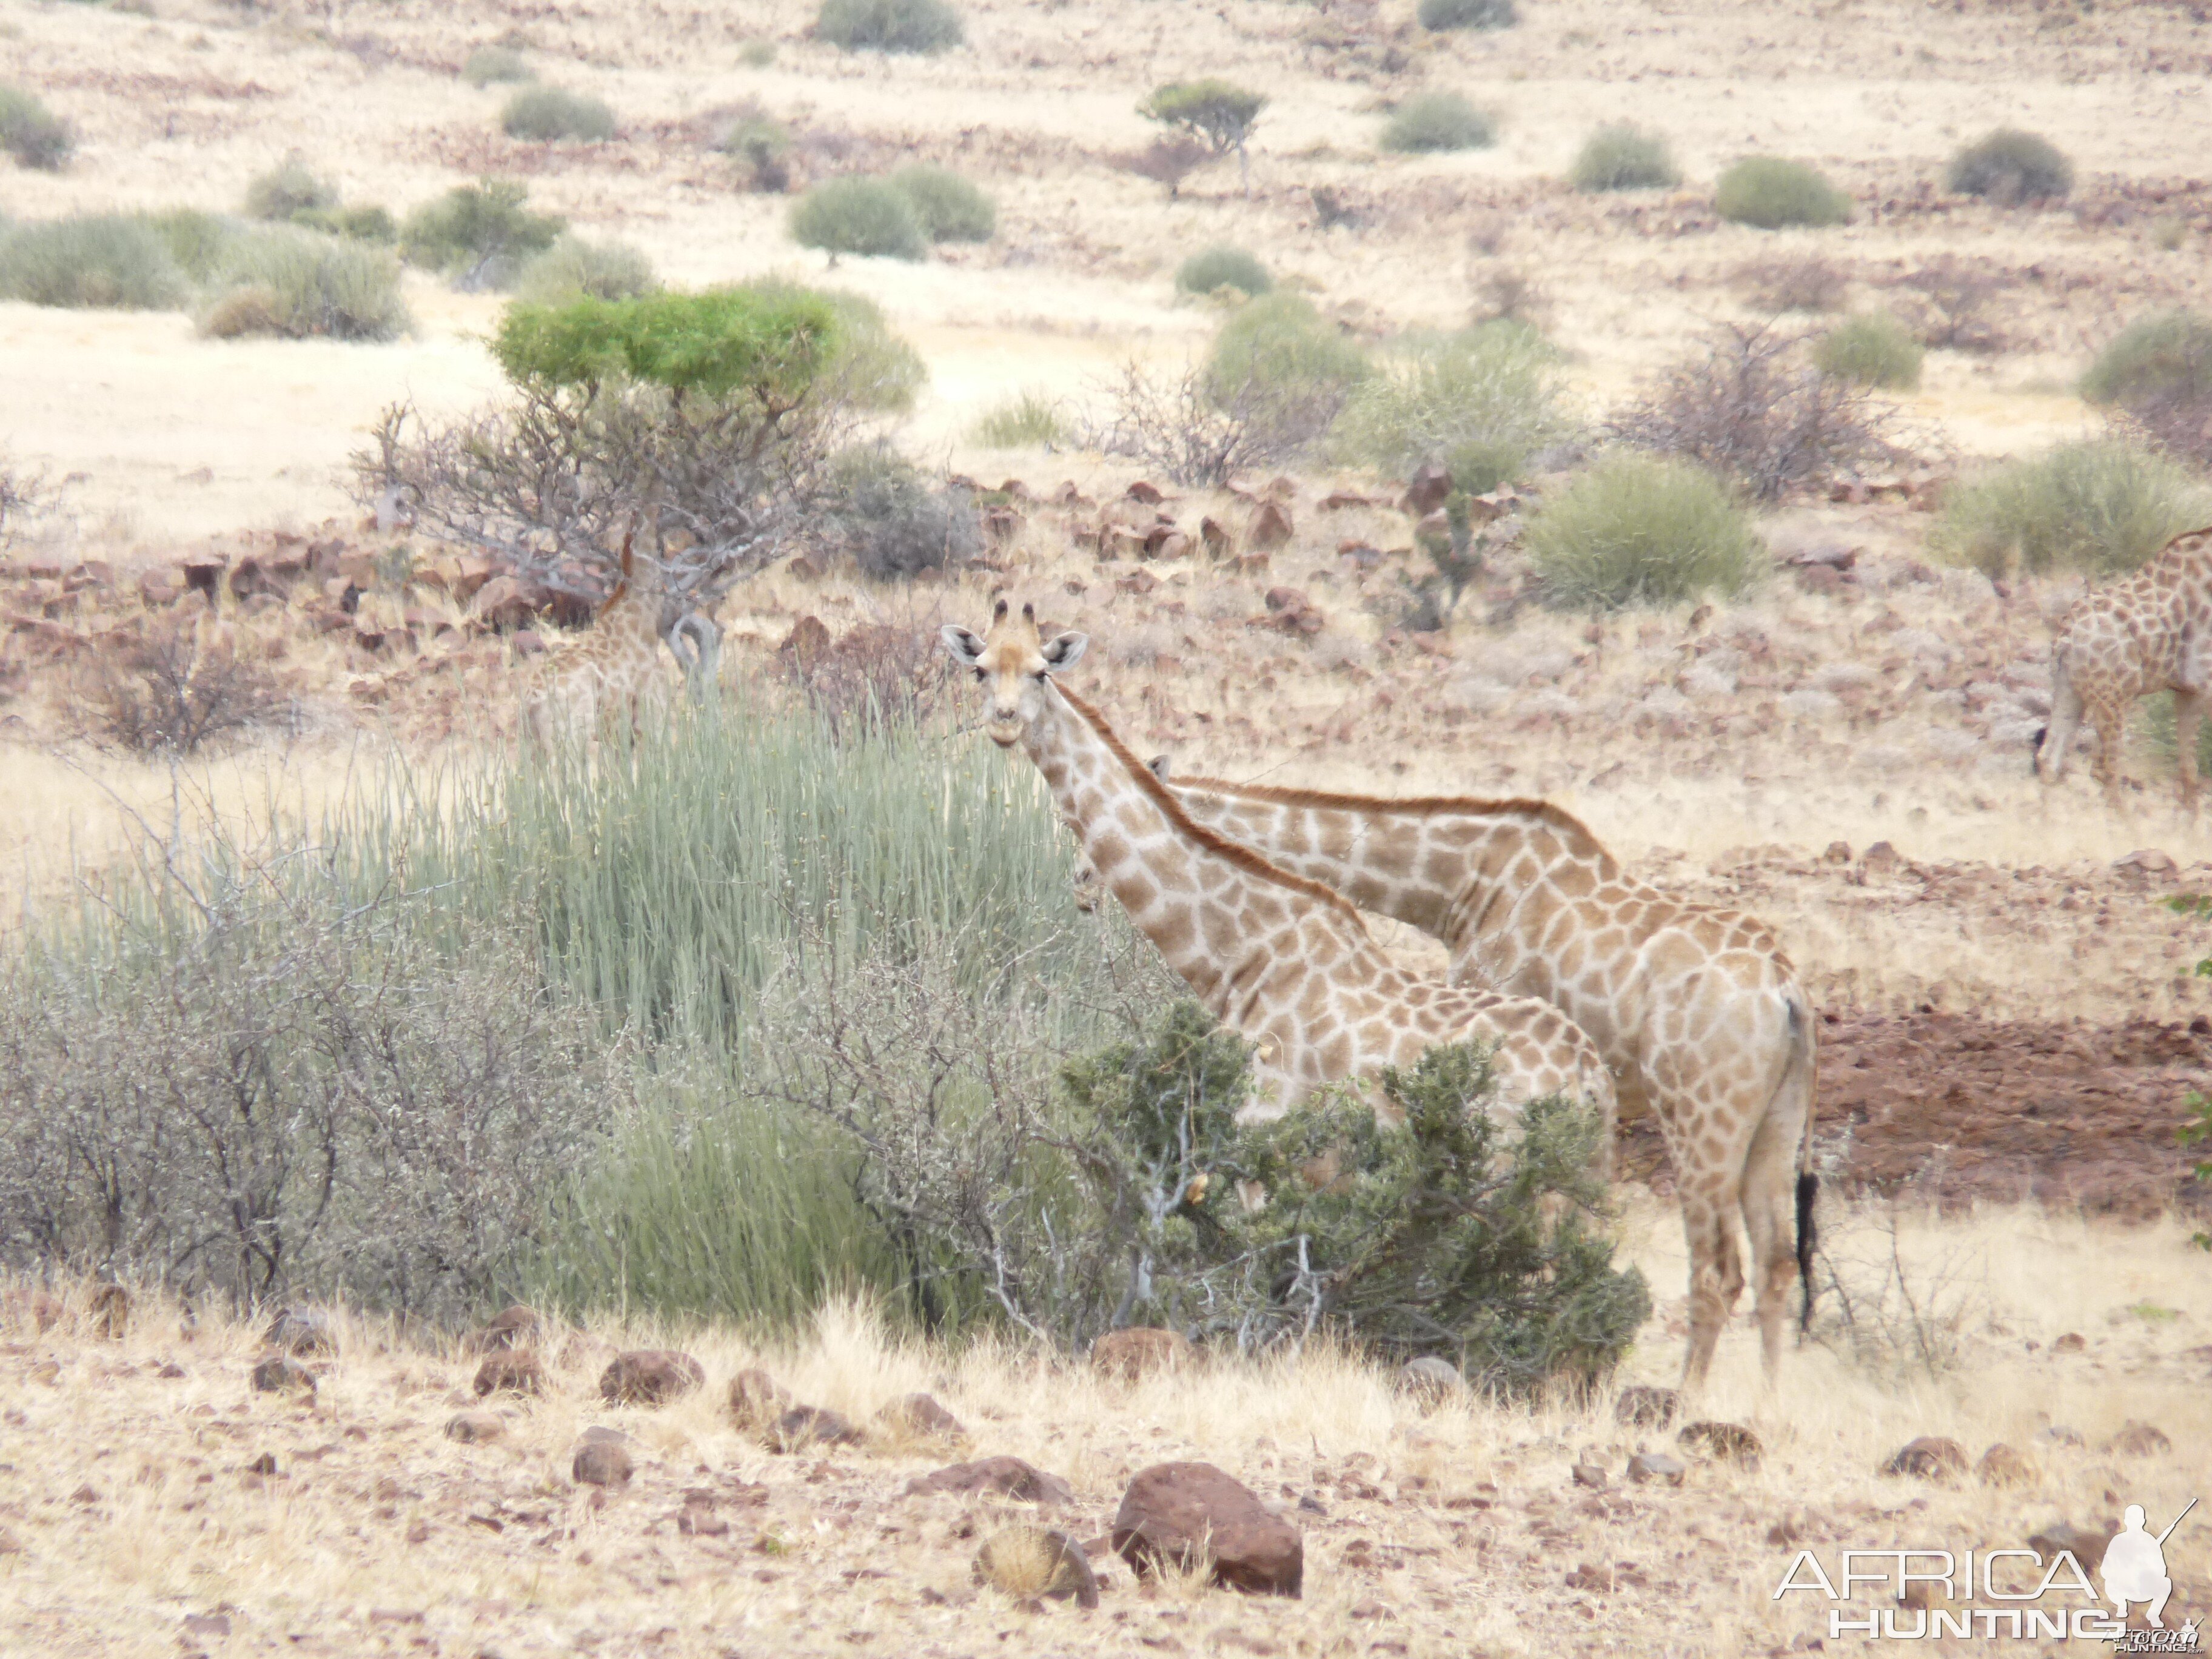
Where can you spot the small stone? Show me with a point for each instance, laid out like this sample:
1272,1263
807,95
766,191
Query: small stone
2059,1434
1138,1353
919,1417
2000,1466
1931,1457
698,1519
2072,1342
1646,1407
264,1464
9,1544
302,1331
1369,1607
1270,527
1147,493
2085,1544
510,1372
602,1459
1593,1577
516,1328
1026,1562
2139,1440
1589,1474
803,1427
1194,1514
1429,1381
650,1376
1727,1442
475,1428
281,1374
207,1624
1005,1477
756,1400
1656,1466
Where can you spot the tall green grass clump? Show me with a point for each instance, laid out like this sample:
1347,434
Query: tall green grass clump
950,208
2011,166
2167,355
478,235
864,217
1624,156
1771,193
296,284
2101,507
574,268
1638,530
1480,401
1429,122
546,115
1280,351
492,65
1022,422
1873,350
1212,269
108,261
34,134
915,25
289,190
1442,14
198,241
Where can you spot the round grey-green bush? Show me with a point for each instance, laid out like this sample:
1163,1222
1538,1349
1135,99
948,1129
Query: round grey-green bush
544,115
1211,269
31,133
921,26
1873,349
2102,506
1441,14
1432,121
951,208
490,65
107,261
2011,166
2165,355
299,284
1636,530
1771,193
865,216
1624,156
575,268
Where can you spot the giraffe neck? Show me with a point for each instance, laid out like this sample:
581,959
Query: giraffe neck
627,625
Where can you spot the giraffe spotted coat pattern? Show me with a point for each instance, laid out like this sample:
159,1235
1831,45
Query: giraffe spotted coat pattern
615,668
2149,632
1698,1009
1284,962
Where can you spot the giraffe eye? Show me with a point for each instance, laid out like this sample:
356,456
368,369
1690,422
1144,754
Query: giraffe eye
980,676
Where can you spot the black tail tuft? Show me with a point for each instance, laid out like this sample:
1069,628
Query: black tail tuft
1808,1188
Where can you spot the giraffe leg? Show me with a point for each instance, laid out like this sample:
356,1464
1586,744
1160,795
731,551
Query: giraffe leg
2188,719
1770,1182
1715,1276
2058,735
2107,714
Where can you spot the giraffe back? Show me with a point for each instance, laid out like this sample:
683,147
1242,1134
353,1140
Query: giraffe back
2146,632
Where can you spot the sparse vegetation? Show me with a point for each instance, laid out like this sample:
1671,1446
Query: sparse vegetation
916,26
1480,402
546,115
576,269
1771,193
1433,121
93,261
289,190
1811,283
1180,425
1873,349
763,146
756,54
894,523
1624,156
1287,369
1212,112
1212,269
2102,506
492,65
1024,421
297,284
2011,168
950,208
172,688
198,242
865,216
1168,159
34,134
1442,14
478,235
1638,530
2166,356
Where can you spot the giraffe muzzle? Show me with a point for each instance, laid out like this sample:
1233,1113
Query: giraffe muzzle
1005,728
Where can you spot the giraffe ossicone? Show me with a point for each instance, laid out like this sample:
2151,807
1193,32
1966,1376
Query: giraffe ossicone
1282,961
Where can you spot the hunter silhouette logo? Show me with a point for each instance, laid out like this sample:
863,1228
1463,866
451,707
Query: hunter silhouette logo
2135,1566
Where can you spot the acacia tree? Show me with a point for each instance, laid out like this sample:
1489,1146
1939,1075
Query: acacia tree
1215,111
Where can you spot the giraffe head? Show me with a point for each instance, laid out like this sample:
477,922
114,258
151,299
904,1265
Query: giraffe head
1014,662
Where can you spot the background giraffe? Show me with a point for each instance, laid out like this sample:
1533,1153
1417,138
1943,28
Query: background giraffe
1698,1009
1283,961
2150,632
614,667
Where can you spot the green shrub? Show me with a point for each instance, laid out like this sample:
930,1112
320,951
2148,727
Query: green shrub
1431,121
1769,192
950,208
199,242
1873,350
31,133
1280,349
297,284
544,115
2166,356
757,54
888,25
1220,115
1638,530
1442,14
104,261
477,235
731,342
1211,269
1480,402
864,217
1624,156
574,269
762,144
892,520
289,190
371,223
489,65
869,366
2011,166
1028,421
2102,506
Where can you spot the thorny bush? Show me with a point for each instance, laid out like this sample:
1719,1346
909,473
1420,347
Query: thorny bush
173,688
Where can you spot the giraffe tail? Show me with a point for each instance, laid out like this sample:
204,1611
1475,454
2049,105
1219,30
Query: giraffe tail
1800,1076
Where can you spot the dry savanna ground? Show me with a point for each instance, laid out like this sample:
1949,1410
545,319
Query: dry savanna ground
2010,1019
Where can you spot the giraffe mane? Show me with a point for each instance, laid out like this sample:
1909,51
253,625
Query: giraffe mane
1162,797
1419,806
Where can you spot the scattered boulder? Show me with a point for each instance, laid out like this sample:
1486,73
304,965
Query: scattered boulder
1027,1562
1590,1475
281,1374
1002,1476
2138,1440
1194,1514
1213,536
506,604
1426,491
1730,1443
475,1428
806,1426
302,1331
1591,1577
1646,1407
2072,1342
1140,1352
1149,494
514,1371
1429,1381
1656,1466
650,1376
2085,1544
516,1328
919,1417
602,1459
2059,1434
1270,528
110,1311
756,1399
2000,1466
1931,1457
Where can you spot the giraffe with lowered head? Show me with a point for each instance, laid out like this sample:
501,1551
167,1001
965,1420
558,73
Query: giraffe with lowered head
1697,1009
1282,961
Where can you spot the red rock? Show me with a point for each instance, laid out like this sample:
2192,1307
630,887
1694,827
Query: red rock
1140,1352
920,1417
1931,1457
803,1427
475,1428
756,1399
510,1372
1005,1477
1147,493
515,1327
1196,1514
1270,527
602,1459
1728,1441
281,1374
2000,1466
2139,1440
1029,1562
650,1376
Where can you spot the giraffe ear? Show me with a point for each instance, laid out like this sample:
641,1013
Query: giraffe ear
962,644
1065,651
